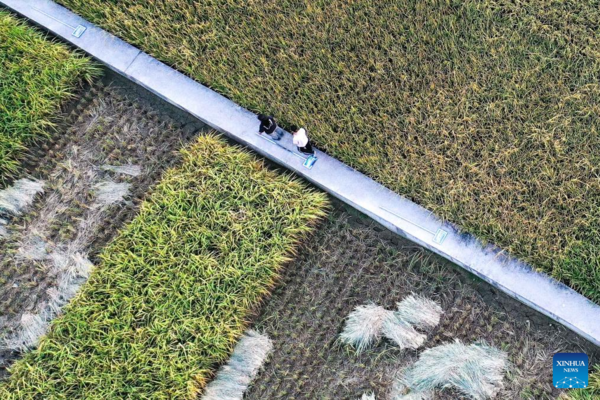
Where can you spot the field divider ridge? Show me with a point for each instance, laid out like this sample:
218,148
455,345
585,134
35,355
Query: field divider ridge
400,215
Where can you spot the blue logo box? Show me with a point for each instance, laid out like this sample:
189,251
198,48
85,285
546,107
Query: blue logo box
570,370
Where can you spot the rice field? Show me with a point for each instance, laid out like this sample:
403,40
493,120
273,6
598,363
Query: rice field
483,111
594,389
37,76
175,290
76,191
505,349
357,311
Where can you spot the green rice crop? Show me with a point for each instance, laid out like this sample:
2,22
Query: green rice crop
36,76
483,111
593,390
177,287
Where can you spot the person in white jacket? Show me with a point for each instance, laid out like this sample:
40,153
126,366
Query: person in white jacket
302,141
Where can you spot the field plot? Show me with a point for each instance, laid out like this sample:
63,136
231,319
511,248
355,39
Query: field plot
172,293
37,75
91,180
594,391
353,261
485,112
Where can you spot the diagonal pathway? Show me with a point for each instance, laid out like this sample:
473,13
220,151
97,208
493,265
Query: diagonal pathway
398,214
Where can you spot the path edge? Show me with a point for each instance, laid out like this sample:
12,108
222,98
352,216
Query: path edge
401,216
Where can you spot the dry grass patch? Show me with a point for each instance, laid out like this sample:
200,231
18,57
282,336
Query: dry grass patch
351,262
233,378
108,141
175,290
477,370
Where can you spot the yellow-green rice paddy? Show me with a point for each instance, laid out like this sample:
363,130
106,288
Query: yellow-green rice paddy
178,286
36,76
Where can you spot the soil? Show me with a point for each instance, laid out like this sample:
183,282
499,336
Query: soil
85,202
353,261
350,261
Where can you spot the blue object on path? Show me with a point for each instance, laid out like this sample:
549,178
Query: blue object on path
310,161
515,278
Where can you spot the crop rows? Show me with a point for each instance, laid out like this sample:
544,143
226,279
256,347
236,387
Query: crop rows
485,112
174,291
352,262
105,128
37,76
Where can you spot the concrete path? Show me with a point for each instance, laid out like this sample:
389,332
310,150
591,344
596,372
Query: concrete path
388,208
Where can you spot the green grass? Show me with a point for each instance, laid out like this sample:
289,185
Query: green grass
593,393
36,76
485,112
177,287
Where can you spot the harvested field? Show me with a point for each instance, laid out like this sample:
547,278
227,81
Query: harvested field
37,76
233,378
485,112
175,289
108,153
352,261
133,331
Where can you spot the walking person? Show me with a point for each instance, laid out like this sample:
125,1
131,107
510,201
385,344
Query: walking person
268,125
302,141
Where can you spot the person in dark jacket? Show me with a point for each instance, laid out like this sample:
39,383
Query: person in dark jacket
268,125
